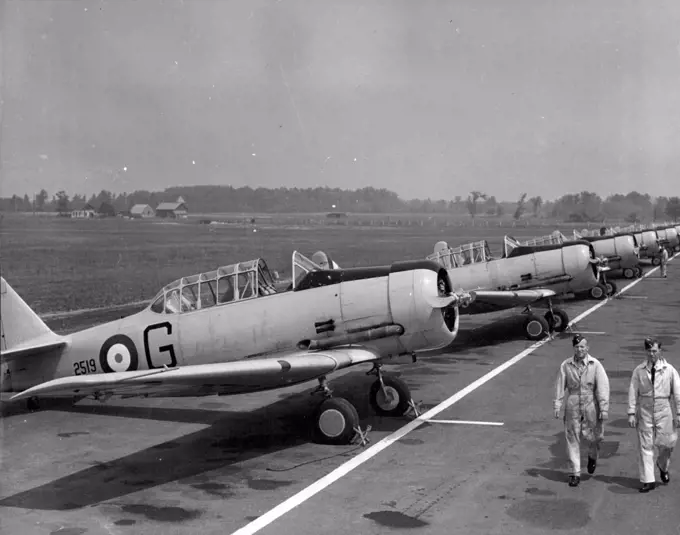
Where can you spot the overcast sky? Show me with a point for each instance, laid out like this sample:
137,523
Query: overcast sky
427,98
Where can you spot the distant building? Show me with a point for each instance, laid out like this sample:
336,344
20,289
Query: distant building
106,210
83,211
172,209
141,211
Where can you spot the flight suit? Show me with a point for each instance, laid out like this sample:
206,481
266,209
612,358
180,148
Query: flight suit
664,263
586,386
651,405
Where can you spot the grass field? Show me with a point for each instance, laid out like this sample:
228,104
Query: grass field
60,264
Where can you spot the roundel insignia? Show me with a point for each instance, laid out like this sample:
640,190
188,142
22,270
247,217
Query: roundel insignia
118,354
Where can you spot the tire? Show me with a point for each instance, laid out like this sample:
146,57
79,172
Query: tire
656,261
335,421
557,320
536,327
398,393
638,272
629,273
598,292
611,288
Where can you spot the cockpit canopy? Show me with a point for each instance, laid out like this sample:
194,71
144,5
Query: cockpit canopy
235,282
551,239
453,257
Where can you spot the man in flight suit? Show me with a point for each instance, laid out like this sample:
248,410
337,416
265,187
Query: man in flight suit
586,385
649,410
664,262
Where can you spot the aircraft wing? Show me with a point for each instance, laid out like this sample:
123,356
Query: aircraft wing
491,300
236,377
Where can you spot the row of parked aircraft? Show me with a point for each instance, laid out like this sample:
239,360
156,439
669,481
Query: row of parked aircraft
237,330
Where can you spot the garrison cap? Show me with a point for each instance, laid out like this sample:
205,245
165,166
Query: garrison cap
650,341
577,339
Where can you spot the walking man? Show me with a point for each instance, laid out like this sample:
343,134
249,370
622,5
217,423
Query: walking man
583,380
664,262
649,410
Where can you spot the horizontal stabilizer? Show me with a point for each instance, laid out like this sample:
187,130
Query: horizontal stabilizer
243,376
32,350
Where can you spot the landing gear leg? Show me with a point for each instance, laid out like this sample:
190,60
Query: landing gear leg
336,420
389,396
557,318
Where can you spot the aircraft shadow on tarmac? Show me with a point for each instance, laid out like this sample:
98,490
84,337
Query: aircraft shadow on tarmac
233,437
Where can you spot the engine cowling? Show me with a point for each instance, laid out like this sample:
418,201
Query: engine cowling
422,301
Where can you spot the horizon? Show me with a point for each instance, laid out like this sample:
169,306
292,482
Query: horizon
426,100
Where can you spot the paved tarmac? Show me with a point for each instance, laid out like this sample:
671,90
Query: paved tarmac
217,465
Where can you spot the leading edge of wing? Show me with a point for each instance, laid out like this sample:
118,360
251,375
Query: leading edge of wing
271,372
507,298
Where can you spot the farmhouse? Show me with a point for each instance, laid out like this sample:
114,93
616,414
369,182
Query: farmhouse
141,211
172,209
83,211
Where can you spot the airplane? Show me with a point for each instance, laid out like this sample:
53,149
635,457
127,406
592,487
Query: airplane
650,247
668,235
524,276
229,331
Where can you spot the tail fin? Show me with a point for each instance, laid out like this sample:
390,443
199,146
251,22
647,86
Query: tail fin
21,329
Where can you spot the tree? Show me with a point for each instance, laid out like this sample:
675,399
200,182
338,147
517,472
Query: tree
673,208
536,203
62,202
40,200
660,207
520,206
472,202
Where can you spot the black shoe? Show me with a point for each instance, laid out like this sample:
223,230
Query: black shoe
574,481
665,476
592,463
646,487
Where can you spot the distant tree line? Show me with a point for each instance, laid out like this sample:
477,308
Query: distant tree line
576,207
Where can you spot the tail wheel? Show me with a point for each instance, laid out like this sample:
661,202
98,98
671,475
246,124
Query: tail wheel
33,404
628,273
336,420
558,319
393,401
598,292
536,327
611,288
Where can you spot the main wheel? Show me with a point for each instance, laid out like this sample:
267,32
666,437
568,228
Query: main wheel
536,327
598,292
335,421
393,401
557,320
611,288
638,272
656,261
628,273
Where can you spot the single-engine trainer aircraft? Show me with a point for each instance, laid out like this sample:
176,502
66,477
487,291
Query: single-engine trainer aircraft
524,276
230,332
620,250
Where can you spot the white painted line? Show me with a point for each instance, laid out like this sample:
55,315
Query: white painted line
463,422
344,469
586,332
634,297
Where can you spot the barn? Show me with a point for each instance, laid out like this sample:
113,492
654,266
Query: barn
172,209
141,211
